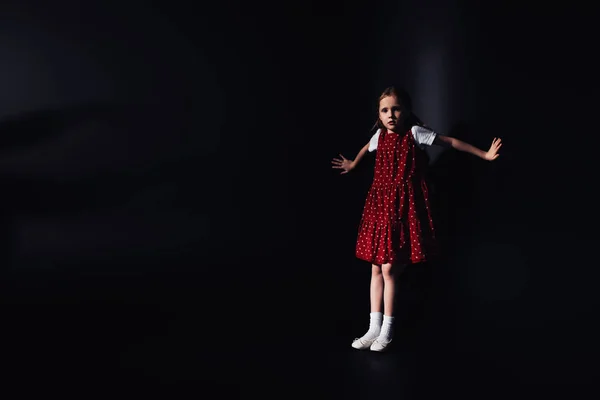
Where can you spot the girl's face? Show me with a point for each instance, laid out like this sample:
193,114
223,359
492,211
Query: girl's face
390,113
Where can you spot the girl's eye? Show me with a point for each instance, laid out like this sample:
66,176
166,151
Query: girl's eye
384,110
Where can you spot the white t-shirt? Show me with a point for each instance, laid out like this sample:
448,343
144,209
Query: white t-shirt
423,137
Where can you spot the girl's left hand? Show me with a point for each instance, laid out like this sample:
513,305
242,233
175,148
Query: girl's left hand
492,153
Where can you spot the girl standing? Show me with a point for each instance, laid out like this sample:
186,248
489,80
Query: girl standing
396,228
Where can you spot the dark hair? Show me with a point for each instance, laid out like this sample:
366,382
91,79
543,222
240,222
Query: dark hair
404,99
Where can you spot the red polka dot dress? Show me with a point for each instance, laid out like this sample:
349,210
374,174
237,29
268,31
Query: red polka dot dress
396,224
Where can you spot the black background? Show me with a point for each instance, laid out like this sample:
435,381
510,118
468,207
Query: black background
170,217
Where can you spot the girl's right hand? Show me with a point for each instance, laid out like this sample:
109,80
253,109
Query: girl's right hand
342,163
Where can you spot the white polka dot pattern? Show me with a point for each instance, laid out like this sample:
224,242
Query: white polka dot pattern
396,223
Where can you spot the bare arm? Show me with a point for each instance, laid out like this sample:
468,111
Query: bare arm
360,155
348,165
490,155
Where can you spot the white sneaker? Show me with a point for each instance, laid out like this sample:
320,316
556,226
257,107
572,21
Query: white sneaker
380,345
362,344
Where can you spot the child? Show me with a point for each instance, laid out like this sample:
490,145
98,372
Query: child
396,228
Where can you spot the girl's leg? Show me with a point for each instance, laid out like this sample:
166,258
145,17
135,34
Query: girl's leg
389,272
368,338
389,292
376,288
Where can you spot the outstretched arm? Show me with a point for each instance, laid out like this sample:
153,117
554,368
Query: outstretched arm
348,165
490,155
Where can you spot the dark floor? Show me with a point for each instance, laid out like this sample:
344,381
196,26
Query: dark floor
154,331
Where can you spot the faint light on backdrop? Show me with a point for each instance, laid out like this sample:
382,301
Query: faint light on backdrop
430,93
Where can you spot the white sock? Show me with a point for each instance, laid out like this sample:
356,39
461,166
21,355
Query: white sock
387,328
374,326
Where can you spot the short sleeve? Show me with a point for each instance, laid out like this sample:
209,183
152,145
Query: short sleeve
374,140
422,135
